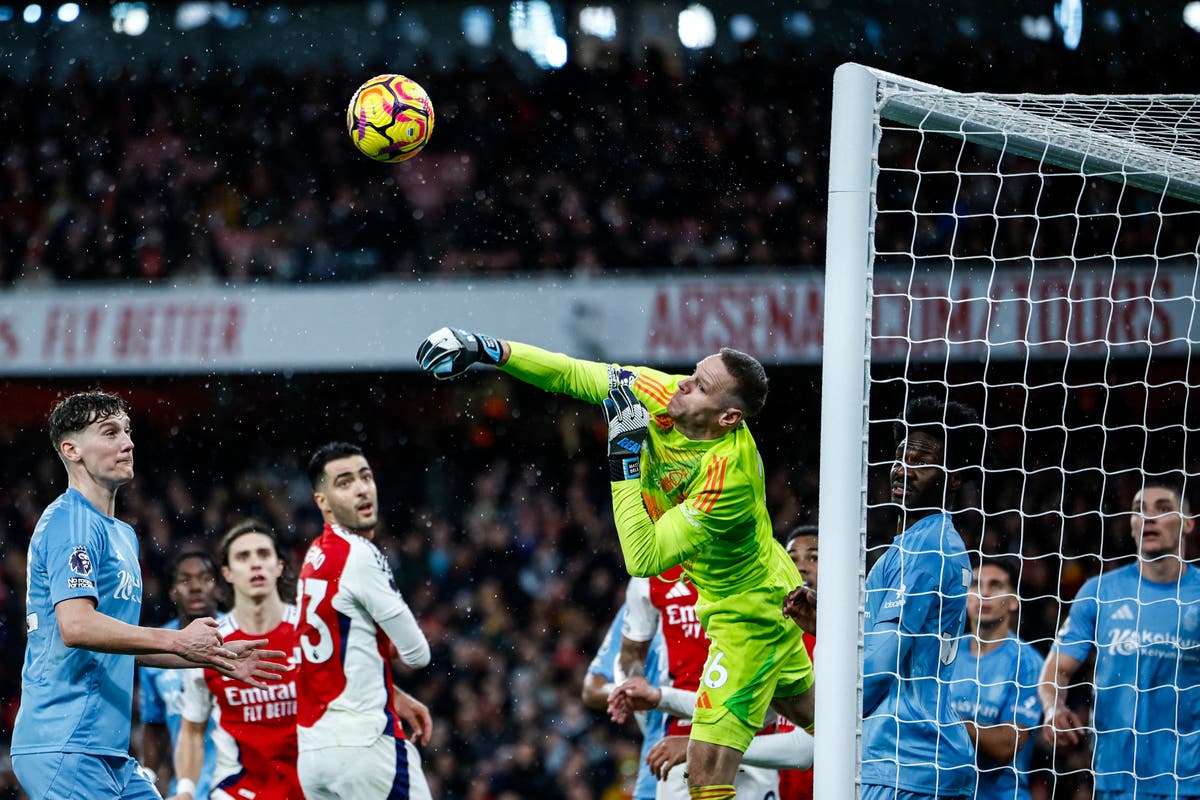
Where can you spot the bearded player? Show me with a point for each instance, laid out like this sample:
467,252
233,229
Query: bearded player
255,731
687,489
352,746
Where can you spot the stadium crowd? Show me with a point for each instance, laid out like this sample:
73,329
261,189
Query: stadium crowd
196,174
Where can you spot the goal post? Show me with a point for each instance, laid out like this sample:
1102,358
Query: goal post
1021,252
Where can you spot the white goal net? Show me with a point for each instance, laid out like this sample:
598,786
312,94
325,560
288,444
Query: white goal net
1034,258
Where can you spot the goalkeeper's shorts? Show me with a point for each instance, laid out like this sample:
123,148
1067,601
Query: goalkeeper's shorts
756,655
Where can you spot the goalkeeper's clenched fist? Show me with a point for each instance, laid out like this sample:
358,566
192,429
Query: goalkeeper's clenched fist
448,352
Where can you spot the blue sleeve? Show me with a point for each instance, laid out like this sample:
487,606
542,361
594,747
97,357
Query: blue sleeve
150,701
1077,638
73,548
884,650
605,660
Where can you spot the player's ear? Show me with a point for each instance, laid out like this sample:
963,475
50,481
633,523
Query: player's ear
953,482
730,417
225,573
69,450
319,499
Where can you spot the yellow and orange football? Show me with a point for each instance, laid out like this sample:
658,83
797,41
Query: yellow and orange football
390,118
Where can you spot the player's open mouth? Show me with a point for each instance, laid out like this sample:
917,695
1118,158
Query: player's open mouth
364,509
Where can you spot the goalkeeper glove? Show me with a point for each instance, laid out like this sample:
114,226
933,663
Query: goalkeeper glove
628,425
448,352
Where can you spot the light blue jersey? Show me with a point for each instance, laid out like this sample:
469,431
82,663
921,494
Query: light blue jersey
655,672
999,688
1147,710
913,740
160,693
75,700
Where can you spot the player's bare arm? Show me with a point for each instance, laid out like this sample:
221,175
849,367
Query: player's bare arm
189,758
1000,742
414,714
81,625
1064,728
635,694
596,691
670,752
631,661
156,753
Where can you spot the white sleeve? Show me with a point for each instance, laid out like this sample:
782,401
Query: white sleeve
677,702
641,617
373,587
791,750
196,701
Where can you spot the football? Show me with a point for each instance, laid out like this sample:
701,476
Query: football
390,118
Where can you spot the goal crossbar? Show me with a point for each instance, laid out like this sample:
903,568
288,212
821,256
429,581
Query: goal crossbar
1156,155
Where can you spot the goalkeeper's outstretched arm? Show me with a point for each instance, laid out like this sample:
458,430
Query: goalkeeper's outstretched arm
449,352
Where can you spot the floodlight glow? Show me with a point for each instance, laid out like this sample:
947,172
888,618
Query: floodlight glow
798,24
742,27
1191,15
190,16
1040,29
227,16
6,13
32,13
598,21
477,26
137,20
1069,16
533,32
68,12
131,19
556,52
697,28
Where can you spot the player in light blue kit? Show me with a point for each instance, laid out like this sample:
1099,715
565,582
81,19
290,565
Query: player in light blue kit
914,746
599,684
194,593
71,738
1143,622
995,683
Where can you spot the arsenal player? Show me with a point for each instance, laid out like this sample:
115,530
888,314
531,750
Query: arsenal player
255,733
352,746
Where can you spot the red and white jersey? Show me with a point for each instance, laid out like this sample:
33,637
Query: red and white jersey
669,600
255,733
345,675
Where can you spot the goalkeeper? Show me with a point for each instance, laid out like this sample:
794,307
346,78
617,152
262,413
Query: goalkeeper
687,488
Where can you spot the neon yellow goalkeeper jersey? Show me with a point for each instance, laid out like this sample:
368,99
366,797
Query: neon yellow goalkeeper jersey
699,503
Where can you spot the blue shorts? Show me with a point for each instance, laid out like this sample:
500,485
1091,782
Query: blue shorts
79,776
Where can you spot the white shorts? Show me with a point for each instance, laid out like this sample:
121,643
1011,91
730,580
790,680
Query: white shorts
751,783
390,769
